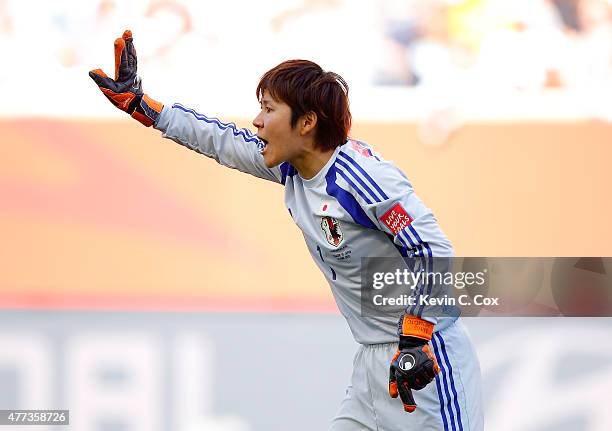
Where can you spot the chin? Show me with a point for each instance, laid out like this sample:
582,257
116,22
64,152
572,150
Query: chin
271,162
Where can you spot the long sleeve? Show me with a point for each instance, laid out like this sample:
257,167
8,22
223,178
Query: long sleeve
385,201
225,142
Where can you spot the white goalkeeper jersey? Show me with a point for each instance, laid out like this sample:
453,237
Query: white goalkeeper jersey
359,205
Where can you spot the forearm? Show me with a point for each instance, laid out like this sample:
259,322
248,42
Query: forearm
224,142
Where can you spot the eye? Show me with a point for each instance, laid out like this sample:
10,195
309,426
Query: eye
268,109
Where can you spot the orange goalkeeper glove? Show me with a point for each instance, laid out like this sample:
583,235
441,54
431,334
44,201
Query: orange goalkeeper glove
413,366
125,91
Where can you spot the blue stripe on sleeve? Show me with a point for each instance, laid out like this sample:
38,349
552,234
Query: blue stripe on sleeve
403,249
416,309
245,133
348,180
359,180
412,308
364,173
429,258
348,202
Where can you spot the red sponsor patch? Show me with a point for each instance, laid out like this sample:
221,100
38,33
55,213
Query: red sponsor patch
396,218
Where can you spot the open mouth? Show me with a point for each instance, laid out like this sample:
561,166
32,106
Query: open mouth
263,144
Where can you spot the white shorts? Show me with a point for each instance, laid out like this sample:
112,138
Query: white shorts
453,402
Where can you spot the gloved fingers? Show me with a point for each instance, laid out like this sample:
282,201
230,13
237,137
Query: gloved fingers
392,383
111,89
405,394
419,380
432,371
392,379
99,73
120,58
427,350
132,59
423,375
102,80
125,58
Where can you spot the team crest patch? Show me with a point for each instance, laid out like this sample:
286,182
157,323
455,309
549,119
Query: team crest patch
396,219
332,231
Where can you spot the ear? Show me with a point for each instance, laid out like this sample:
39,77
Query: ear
307,123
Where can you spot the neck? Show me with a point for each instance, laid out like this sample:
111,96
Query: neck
311,162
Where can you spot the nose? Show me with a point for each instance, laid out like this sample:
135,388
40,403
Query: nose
257,121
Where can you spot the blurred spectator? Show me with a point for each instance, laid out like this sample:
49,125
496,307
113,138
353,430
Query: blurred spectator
568,10
513,45
341,35
401,27
587,26
452,50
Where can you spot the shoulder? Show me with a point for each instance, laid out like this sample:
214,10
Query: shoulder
360,150
381,179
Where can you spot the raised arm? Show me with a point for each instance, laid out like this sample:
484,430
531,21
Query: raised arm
227,144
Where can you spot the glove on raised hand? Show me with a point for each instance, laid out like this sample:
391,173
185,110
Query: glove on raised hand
125,91
413,366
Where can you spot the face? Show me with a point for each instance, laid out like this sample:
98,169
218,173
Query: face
283,143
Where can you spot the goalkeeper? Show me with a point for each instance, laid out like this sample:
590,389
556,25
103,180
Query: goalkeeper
418,373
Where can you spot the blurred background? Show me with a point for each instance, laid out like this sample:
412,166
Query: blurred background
144,287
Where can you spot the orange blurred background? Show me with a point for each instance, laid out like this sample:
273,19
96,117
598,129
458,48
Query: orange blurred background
107,214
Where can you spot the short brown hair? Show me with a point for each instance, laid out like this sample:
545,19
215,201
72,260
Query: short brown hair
306,87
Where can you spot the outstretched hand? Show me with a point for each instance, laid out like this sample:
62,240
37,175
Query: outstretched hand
125,90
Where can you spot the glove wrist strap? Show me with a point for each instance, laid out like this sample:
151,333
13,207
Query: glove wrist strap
146,110
415,327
